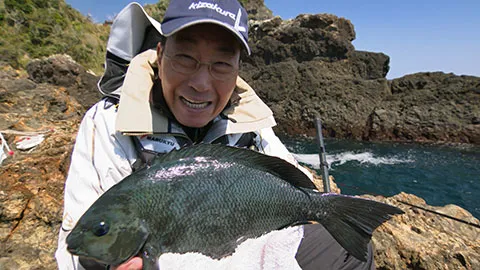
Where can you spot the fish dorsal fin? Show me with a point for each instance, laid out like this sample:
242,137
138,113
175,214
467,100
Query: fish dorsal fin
246,157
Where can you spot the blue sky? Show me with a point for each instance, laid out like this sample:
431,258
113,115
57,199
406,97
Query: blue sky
418,35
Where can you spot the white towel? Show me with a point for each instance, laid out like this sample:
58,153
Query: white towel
273,251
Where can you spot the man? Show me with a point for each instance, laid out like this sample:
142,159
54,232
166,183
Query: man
187,91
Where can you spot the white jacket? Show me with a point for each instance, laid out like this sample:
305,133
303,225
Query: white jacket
104,153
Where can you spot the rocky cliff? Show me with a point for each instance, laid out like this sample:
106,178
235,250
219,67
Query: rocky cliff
308,66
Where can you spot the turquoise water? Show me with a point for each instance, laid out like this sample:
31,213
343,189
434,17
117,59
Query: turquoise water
440,174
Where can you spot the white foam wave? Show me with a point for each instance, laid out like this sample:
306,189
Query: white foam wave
344,157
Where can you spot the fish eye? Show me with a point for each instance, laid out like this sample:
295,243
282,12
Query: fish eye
101,229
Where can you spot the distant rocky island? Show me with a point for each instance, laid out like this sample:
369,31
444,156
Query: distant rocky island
301,68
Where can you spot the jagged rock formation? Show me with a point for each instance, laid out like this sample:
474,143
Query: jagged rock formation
308,66
431,106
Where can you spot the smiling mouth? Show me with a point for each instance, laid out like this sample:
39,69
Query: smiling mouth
194,104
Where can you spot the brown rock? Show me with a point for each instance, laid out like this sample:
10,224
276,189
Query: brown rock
303,39
62,70
59,70
422,240
31,190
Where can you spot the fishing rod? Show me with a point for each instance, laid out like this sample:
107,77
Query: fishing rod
440,214
323,158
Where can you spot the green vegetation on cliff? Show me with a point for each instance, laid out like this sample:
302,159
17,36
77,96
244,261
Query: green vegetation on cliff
36,28
157,10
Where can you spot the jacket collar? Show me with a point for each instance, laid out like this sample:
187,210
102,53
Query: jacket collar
137,116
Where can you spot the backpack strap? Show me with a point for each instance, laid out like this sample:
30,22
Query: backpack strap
144,156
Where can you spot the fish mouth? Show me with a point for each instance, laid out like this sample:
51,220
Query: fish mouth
88,256
74,244
76,251
194,104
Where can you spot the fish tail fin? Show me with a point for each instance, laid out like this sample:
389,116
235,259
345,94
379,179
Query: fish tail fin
351,220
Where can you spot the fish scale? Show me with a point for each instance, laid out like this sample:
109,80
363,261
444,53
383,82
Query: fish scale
210,198
193,206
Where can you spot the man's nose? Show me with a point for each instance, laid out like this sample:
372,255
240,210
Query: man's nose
201,80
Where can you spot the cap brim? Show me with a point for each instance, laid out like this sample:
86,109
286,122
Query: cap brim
171,27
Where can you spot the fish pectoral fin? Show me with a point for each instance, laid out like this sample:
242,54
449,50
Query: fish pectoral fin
130,243
150,257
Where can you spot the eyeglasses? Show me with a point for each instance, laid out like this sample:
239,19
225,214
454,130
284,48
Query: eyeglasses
188,65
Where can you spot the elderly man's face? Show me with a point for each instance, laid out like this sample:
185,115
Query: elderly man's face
196,94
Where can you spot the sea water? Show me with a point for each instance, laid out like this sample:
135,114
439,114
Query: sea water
440,174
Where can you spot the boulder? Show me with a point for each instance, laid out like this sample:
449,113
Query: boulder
59,70
422,239
62,70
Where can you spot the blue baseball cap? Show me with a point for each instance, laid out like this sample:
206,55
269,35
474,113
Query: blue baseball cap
230,14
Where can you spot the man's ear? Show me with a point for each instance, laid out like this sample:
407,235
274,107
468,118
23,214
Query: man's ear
159,53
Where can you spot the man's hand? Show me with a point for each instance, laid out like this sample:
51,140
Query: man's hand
134,263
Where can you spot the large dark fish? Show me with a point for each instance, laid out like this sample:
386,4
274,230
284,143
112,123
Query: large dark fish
205,198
